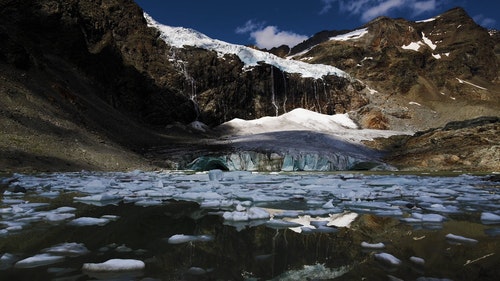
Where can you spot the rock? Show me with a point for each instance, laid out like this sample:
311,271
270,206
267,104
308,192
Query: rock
475,140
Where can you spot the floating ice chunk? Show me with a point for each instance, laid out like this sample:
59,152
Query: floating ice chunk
342,220
68,249
304,222
38,260
281,224
214,204
329,205
367,245
235,216
56,217
7,260
425,278
110,217
201,196
115,265
159,184
182,238
253,213
325,229
256,213
417,260
489,218
64,210
49,194
196,271
99,197
460,239
123,249
87,221
6,210
428,217
157,192
443,209
388,258
215,175
148,202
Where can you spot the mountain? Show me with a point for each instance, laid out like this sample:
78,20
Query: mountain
433,71
99,84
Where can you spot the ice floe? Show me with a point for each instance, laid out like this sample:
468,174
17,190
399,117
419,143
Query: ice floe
460,239
87,221
39,260
182,238
388,259
115,265
243,197
67,249
417,260
367,245
490,218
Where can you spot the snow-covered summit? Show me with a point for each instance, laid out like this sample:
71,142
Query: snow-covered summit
181,36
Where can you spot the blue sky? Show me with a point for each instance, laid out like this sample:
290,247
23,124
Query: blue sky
270,23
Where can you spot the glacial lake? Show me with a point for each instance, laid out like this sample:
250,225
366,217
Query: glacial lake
249,226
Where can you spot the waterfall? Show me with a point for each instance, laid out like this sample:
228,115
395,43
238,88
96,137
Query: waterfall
273,96
284,86
182,66
316,97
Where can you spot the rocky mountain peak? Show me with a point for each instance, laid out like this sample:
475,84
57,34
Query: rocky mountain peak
428,66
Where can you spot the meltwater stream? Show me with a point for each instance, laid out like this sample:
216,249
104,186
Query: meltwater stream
249,226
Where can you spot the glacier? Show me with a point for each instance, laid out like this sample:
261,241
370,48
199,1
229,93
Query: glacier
181,36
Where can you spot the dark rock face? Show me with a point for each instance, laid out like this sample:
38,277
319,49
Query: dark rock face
140,75
89,36
469,145
223,91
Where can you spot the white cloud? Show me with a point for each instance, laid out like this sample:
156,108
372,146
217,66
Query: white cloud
420,7
381,9
249,26
370,9
485,21
269,36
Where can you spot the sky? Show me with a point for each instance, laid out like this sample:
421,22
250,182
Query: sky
271,23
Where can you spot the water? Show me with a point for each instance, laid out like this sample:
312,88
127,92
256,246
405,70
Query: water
238,226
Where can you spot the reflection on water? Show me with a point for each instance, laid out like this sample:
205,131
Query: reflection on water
247,252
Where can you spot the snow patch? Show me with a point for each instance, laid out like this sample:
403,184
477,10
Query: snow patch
426,20
415,46
428,42
356,34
